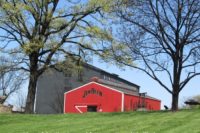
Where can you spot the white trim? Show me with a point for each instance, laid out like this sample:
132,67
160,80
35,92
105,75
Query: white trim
122,109
78,87
77,107
109,87
64,105
94,83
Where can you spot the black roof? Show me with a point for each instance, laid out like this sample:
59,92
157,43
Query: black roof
110,74
113,75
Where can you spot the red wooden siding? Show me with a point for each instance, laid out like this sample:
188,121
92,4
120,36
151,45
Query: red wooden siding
106,99
131,103
153,104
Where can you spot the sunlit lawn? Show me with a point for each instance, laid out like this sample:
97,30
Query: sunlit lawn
186,121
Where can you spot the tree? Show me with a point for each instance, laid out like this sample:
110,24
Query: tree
10,81
20,100
40,32
163,37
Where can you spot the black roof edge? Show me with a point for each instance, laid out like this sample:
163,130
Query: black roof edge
111,74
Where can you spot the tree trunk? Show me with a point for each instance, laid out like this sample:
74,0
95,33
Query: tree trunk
32,84
31,94
176,82
175,97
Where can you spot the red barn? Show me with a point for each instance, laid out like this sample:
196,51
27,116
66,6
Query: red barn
98,97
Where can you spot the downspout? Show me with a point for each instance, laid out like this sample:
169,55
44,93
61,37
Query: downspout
122,109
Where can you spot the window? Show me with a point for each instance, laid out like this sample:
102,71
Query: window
105,77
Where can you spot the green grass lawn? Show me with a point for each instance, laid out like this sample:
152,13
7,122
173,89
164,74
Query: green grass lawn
186,121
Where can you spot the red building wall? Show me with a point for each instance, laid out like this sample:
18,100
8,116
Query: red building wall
105,98
131,103
153,104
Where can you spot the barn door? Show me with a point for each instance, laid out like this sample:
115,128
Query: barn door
91,108
86,108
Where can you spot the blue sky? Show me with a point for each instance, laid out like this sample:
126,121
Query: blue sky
149,85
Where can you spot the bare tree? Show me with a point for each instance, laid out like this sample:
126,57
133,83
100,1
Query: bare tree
10,81
21,99
163,38
41,32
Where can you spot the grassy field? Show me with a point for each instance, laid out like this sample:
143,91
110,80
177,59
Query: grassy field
187,121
